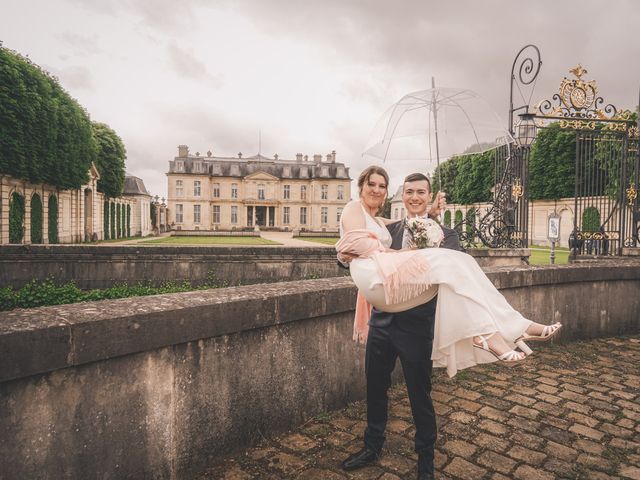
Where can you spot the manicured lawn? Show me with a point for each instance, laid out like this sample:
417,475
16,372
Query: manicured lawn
212,241
540,256
326,241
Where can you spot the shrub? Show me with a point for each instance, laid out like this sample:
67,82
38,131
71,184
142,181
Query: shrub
36,219
16,218
52,217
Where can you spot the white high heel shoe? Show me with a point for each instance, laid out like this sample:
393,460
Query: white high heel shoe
510,358
548,332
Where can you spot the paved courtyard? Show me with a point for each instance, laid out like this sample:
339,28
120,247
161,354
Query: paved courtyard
570,412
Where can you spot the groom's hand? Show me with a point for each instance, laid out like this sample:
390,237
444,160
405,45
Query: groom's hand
438,205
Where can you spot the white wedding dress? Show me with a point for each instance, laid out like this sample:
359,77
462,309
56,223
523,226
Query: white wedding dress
468,303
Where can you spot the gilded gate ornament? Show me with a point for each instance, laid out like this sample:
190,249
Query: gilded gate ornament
579,107
632,193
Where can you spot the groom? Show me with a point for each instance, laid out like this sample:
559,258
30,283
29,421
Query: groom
406,335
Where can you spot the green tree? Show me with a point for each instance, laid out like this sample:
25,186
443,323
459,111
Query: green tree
457,220
52,230
36,219
552,164
110,160
45,135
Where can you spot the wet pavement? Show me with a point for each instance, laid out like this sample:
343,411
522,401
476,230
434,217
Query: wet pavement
570,412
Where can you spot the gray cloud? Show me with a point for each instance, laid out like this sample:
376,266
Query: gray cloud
186,65
74,77
82,45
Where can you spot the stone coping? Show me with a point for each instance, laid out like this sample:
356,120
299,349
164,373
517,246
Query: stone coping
149,249
39,340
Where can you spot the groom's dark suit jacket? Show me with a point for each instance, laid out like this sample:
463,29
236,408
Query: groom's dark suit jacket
421,317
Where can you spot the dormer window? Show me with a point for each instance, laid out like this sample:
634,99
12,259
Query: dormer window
179,166
286,172
216,170
304,173
235,170
324,171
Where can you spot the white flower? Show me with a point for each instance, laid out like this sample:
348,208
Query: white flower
424,232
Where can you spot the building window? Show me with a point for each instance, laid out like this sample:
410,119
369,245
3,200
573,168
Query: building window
179,166
261,191
196,188
402,213
234,214
324,215
395,214
197,167
303,215
324,171
285,215
286,193
216,190
216,214
324,192
179,190
303,192
286,172
234,190
178,213
235,170
340,192
338,214
196,214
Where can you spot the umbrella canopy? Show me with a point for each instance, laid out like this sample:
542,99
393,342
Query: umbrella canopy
435,124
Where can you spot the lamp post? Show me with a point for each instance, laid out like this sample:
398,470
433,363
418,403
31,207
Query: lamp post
526,129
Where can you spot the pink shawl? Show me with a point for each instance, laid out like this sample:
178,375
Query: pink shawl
398,270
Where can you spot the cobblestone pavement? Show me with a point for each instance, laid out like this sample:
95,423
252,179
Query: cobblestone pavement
571,412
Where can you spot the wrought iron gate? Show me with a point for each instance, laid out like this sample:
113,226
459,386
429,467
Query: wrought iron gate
606,215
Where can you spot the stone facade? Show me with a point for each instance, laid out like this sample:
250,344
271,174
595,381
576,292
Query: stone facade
224,193
80,212
135,190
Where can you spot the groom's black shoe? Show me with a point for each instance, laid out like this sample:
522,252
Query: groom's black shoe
360,459
425,467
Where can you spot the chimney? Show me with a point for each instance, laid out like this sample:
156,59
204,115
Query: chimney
306,157
317,158
333,156
298,157
183,151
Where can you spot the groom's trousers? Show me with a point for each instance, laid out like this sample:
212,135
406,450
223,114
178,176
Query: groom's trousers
407,336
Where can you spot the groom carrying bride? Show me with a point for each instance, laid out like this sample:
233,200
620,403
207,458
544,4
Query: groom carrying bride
408,336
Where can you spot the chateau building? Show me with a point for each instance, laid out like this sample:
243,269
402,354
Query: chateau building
235,193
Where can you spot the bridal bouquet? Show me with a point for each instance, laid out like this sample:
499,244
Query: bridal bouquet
424,232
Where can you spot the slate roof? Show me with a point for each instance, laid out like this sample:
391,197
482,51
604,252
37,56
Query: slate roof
242,167
134,186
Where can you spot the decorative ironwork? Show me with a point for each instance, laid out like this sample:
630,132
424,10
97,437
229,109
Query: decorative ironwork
504,224
632,193
579,102
517,190
527,65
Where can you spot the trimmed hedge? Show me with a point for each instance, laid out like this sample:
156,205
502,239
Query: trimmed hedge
53,219
45,135
16,218
36,219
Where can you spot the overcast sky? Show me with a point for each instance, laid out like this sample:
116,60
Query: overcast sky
311,76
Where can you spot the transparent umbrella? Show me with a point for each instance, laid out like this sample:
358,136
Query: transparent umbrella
433,125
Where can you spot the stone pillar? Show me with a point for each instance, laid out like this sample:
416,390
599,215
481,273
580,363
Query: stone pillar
266,221
45,215
26,228
4,212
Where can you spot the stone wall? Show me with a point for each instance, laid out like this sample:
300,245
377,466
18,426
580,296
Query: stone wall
155,387
101,266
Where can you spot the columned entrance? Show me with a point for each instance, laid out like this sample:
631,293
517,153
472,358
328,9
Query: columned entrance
261,216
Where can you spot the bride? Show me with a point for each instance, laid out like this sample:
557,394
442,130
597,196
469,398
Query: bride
474,323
